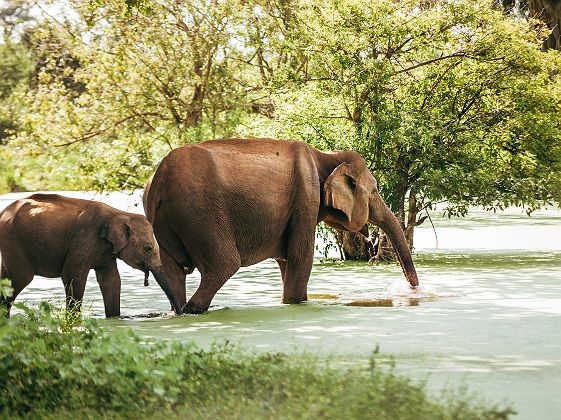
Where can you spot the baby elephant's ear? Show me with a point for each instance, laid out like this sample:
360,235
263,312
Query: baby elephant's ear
117,231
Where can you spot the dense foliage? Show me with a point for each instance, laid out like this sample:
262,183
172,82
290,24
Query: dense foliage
449,101
54,370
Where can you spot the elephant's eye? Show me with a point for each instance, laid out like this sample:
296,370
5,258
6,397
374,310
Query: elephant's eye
351,182
148,249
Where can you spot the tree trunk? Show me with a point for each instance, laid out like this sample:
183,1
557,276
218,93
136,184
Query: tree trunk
411,219
355,246
549,12
195,113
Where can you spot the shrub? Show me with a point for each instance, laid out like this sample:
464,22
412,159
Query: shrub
51,369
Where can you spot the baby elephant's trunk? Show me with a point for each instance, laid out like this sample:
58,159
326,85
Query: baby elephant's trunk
146,273
163,281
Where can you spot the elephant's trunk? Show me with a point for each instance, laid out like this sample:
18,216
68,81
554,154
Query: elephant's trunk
163,281
383,217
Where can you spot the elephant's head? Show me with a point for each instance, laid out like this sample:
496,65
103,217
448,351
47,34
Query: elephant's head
133,241
351,199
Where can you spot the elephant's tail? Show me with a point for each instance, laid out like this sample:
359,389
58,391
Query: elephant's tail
147,189
152,198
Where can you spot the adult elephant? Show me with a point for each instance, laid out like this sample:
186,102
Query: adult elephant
223,204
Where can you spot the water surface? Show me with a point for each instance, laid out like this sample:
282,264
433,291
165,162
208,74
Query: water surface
487,313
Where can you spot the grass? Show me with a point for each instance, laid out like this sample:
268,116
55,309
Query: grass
50,368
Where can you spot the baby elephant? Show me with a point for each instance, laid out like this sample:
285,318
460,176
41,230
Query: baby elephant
55,236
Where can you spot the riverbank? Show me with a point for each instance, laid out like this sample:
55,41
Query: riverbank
51,369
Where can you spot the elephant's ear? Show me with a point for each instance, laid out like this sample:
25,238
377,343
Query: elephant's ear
339,190
117,231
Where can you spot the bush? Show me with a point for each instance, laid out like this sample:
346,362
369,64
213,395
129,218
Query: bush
9,179
51,369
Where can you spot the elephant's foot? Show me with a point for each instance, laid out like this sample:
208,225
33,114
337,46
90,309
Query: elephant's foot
193,308
291,301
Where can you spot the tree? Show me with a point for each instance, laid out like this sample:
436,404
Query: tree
155,76
15,73
449,101
15,63
14,14
152,80
16,69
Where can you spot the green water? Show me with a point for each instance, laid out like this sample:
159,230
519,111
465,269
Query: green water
487,313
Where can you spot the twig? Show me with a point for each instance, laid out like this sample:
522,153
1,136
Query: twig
433,228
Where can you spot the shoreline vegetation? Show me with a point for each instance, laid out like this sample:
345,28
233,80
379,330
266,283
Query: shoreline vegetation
53,366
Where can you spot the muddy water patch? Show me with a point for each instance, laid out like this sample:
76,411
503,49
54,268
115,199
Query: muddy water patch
322,296
391,297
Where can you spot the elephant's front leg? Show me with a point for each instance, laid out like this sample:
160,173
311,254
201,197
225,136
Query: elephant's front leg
110,285
282,265
176,275
298,265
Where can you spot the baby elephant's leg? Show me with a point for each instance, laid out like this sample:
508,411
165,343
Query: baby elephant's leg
17,268
110,285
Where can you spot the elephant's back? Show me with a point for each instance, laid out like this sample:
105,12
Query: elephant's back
51,212
39,227
239,163
236,174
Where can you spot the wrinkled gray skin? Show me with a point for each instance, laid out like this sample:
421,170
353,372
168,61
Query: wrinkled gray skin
223,204
54,236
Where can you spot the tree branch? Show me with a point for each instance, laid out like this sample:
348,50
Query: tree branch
103,130
434,60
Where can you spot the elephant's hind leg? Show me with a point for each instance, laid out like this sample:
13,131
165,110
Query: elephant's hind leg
5,301
213,277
